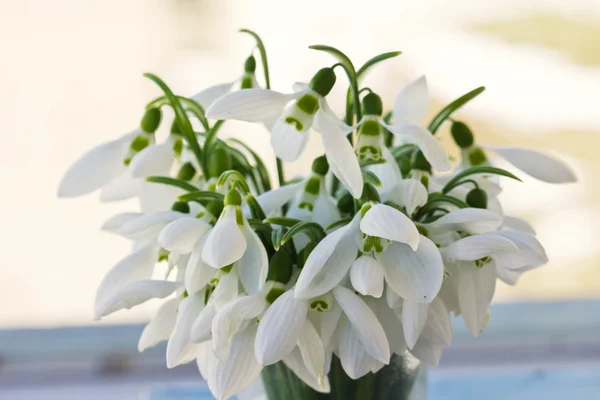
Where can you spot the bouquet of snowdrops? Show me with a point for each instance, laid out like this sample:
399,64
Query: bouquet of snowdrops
361,260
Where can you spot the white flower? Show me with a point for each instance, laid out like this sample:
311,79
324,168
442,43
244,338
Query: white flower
391,248
296,113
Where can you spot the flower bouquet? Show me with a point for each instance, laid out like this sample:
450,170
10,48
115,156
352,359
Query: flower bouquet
335,285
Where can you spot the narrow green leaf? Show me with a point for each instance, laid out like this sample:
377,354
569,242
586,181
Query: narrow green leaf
434,202
312,228
235,177
371,178
165,180
341,57
260,165
260,226
443,115
201,195
277,235
255,208
283,221
376,60
244,165
456,180
339,223
263,54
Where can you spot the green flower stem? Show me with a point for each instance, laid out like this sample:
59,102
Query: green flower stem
192,106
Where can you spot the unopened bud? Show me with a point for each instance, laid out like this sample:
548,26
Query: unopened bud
346,203
477,198
151,120
219,161
320,166
250,64
323,81
462,135
181,206
233,198
281,267
477,157
372,105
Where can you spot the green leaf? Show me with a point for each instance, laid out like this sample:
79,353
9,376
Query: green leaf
277,235
236,177
371,178
263,54
166,180
244,166
260,226
201,195
255,208
260,165
182,118
435,200
376,60
313,229
443,115
456,180
341,57
192,106
283,221
339,223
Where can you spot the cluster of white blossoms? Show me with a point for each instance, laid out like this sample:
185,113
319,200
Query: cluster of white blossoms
364,258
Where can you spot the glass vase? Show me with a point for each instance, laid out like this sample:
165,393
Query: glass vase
405,378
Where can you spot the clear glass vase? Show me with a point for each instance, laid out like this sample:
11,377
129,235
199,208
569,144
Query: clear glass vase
405,378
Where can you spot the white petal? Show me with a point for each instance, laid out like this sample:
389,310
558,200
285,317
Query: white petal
116,222
225,243
366,275
136,266
414,316
201,329
390,322
328,263
409,193
476,288
122,187
312,350
153,160
509,276
207,96
295,362
340,154
95,168
133,294
182,234
431,147
288,143
388,223
149,225
365,323
325,211
226,290
273,200
518,224
206,361
197,273
428,351
180,349
254,264
414,275
411,102
280,328
353,356
329,323
233,375
160,326
470,220
230,319
476,247
531,252
539,165
438,326
252,105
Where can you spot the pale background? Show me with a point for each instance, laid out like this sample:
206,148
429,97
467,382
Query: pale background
71,74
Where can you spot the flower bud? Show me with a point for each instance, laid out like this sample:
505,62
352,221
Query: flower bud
281,267
462,135
250,64
372,105
420,162
276,290
346,203
323,81
186,172
151,120
369,193
181,206
233,198
477,198
219,161
320,166
477,157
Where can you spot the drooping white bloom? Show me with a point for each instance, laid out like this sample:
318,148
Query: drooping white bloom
296,113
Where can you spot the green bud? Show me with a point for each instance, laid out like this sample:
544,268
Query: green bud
214,207
323,81
370,193
181,207
372,104
233,198
346,204
477,198
420,162
281,267
477,157
250,64
151,120
304,253
186,172
219,161
320,166
462,135
274,293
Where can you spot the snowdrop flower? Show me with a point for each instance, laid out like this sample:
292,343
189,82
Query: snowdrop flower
247,81
409,110
389,247
232,240
296,113
538,165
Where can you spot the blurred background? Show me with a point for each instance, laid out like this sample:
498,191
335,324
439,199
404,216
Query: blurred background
71,75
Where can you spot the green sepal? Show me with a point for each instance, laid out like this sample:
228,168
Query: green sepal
165,180
323,81
477,198
250,64
456,180
186,172
346,203
372,104
314,230
445,113
462,135
320,166
151,120
233,198
202,195
219,161
181,206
